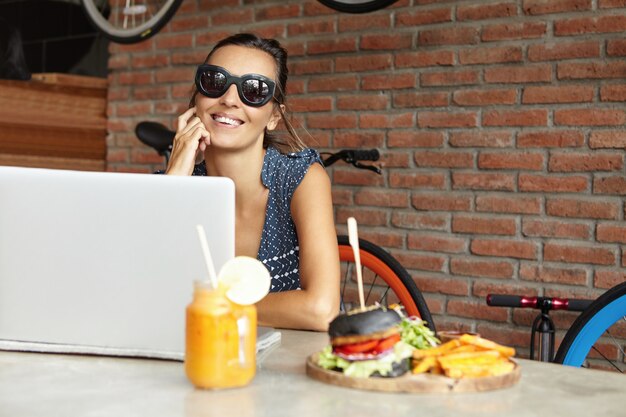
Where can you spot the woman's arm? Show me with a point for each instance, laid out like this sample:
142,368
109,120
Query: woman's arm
314,306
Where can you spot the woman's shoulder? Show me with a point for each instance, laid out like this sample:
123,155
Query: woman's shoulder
287,167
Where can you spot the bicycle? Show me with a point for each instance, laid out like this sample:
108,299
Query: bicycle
388,282
585,334
131,21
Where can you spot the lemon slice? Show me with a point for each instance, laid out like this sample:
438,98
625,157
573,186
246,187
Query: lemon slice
246,280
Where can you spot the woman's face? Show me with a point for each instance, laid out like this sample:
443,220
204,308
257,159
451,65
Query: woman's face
231,123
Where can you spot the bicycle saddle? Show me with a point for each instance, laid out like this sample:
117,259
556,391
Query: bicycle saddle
155,135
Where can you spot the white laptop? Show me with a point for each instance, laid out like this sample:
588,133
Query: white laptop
104,263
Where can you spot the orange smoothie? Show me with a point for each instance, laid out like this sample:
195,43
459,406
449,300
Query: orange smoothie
220,349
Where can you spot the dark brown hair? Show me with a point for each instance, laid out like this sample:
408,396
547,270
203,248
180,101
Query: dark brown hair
273,48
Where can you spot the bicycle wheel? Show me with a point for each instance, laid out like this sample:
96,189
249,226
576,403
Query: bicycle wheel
357,6
385,281
588,331
129,21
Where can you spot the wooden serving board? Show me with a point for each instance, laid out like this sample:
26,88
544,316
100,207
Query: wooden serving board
422,383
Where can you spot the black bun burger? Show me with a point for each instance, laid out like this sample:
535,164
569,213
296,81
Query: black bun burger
367,343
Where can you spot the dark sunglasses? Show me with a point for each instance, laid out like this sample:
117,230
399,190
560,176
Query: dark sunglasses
254,90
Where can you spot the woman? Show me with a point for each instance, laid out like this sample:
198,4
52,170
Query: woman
283,201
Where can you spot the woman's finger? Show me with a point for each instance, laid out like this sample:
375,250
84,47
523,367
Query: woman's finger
183,119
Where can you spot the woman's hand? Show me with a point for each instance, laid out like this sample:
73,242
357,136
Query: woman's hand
191,138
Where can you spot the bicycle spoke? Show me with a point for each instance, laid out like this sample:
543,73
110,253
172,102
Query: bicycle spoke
607,359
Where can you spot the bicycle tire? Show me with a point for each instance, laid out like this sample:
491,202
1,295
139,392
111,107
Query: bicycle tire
357,6
397,279
591,325
95,11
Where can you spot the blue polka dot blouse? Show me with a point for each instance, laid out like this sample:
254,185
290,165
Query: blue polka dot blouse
279,250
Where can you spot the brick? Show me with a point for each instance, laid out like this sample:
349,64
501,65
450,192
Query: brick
613,184
374,62
578,254
402,100
613,92
559,94
186,57
311,27
132,109
513,31
336,83
442,159
441,202
551,139
535,117
327,121
211,37
447,119
423,17
578,208
358,140
143,46
476,97
117,62
420,221
504,248
435,243
137,78
557,51
608,279
475,310
519,205
492,55
311,66
149,61
511,160
279,11
538,273
365,217
310,104
357,178
441,285
384,121
611,233
417,180
181,23
589,117
539,7
480,268
553,183
607,4
433,263
414,139
331,46
342,197
524,74
483,225
483,181
392,159
607,139
370,21
481,139
616,47
150,92
394,41
363,102
555,229
424,59
434,79
388,81
145,156
585,162
482,289
519,338
600,24
382,198
385,239
486,11
590,70
448,36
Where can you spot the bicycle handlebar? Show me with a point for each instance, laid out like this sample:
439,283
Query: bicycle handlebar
353,156
539,303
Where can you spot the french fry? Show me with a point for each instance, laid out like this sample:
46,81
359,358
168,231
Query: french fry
423,353
425,365
487,344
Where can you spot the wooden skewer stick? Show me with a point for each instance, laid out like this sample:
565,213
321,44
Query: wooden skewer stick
353,237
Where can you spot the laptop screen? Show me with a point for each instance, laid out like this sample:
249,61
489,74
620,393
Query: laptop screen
106,260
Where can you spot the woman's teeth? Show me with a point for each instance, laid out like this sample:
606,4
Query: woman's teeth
227,120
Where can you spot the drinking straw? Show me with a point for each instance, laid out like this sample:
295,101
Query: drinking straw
207,255
353,238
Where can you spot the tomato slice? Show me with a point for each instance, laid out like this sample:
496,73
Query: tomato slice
386,344
357,347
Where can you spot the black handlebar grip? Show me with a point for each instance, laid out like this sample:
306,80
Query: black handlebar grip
366,155
578,305
500,300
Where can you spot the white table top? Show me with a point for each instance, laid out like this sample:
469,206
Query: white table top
34,385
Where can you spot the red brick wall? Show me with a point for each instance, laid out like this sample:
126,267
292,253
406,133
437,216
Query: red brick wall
501,125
